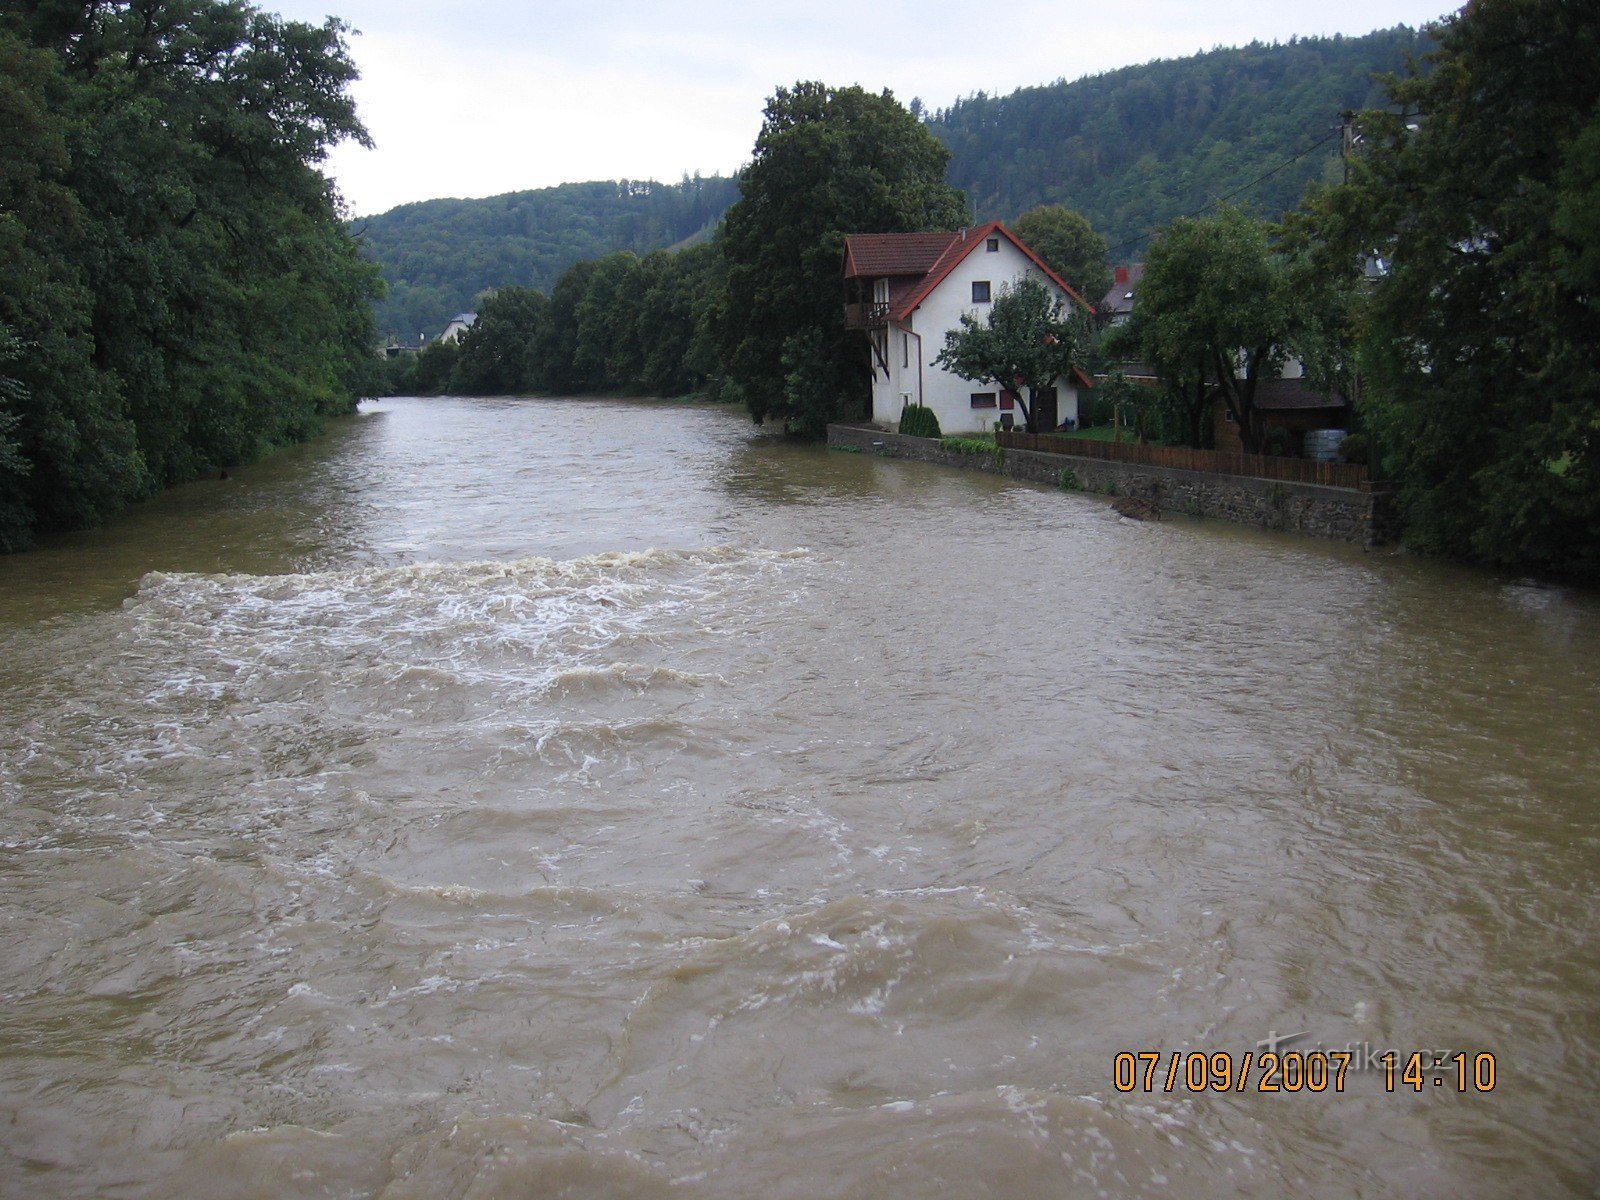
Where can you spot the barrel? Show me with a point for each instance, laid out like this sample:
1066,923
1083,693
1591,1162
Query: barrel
1323,444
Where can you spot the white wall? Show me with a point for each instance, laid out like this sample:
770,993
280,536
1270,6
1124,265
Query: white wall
949,395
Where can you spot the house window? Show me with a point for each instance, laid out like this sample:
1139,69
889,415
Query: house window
905,350
993,245
984,400
980,291
1007,400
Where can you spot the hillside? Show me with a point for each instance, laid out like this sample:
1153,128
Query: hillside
1131,149
437,255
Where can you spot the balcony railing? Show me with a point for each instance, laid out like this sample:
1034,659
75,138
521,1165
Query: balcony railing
871,315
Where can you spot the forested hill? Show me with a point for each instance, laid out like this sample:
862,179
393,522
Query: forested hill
1132,149
439,254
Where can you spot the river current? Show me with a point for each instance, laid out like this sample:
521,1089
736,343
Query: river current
588,798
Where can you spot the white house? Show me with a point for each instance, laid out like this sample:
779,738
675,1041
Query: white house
459,324
905,290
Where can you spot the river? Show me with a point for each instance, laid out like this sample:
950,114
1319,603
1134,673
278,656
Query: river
591,798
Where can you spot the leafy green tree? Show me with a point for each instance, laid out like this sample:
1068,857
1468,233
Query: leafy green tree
171,259
827,162
1479,191
1069,246
555,347
496,356
607,354
435,367
1215,317
1029,340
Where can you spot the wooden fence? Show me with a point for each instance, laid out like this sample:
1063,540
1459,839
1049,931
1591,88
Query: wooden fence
1182,458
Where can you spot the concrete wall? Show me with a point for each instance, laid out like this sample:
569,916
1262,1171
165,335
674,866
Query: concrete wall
1365,516
922,337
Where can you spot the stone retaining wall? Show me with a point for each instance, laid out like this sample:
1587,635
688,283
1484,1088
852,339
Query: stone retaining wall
1363,515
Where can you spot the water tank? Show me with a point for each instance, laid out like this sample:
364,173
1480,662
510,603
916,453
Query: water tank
1323,444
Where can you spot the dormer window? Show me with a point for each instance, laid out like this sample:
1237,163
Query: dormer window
993,245
980,291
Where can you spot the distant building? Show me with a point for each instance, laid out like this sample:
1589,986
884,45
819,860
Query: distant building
459,324
1116,306
906,290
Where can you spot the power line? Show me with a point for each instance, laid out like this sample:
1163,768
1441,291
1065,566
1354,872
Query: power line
1288,162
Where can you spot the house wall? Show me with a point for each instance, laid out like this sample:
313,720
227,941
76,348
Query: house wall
949,395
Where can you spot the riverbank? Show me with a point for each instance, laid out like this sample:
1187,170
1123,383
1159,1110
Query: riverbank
1363,516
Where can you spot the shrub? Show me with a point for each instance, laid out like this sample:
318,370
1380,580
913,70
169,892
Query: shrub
1356,448
966,445
916,420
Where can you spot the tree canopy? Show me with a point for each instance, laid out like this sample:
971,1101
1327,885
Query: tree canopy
172,264
1134,148
1478,189
1069,246
827,162
438,256
1215,317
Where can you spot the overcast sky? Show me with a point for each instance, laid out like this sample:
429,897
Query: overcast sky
480,97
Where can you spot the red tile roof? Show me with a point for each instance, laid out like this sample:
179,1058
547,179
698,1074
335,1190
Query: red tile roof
880,254
932,256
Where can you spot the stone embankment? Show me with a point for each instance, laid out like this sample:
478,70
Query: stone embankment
1365,515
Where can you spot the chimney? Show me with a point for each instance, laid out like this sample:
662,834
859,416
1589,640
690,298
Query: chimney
1122,274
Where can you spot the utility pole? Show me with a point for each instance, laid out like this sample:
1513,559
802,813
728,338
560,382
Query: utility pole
1347,138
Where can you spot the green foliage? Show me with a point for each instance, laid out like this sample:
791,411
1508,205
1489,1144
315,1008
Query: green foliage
917,420
1134,148
496,354
1068,480
1214,299
620,324
172,263
967,445
1356,448
435,367
827,162
1028,341
439,255
1069,246
1481,193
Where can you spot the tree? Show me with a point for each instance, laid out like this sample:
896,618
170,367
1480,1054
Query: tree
1479,192
1069,246
1028,341
827,162
1214,318
496,353
174,265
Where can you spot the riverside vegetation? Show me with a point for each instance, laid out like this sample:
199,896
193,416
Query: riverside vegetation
178,292
209,340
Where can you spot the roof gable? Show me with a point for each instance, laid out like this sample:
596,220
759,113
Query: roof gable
963,244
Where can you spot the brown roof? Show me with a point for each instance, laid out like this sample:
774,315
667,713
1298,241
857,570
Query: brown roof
956,247
1119,300
1281,394
880,254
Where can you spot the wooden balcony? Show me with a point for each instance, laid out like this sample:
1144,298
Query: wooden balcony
873,314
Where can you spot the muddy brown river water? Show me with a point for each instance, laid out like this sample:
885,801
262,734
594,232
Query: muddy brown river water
581,798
